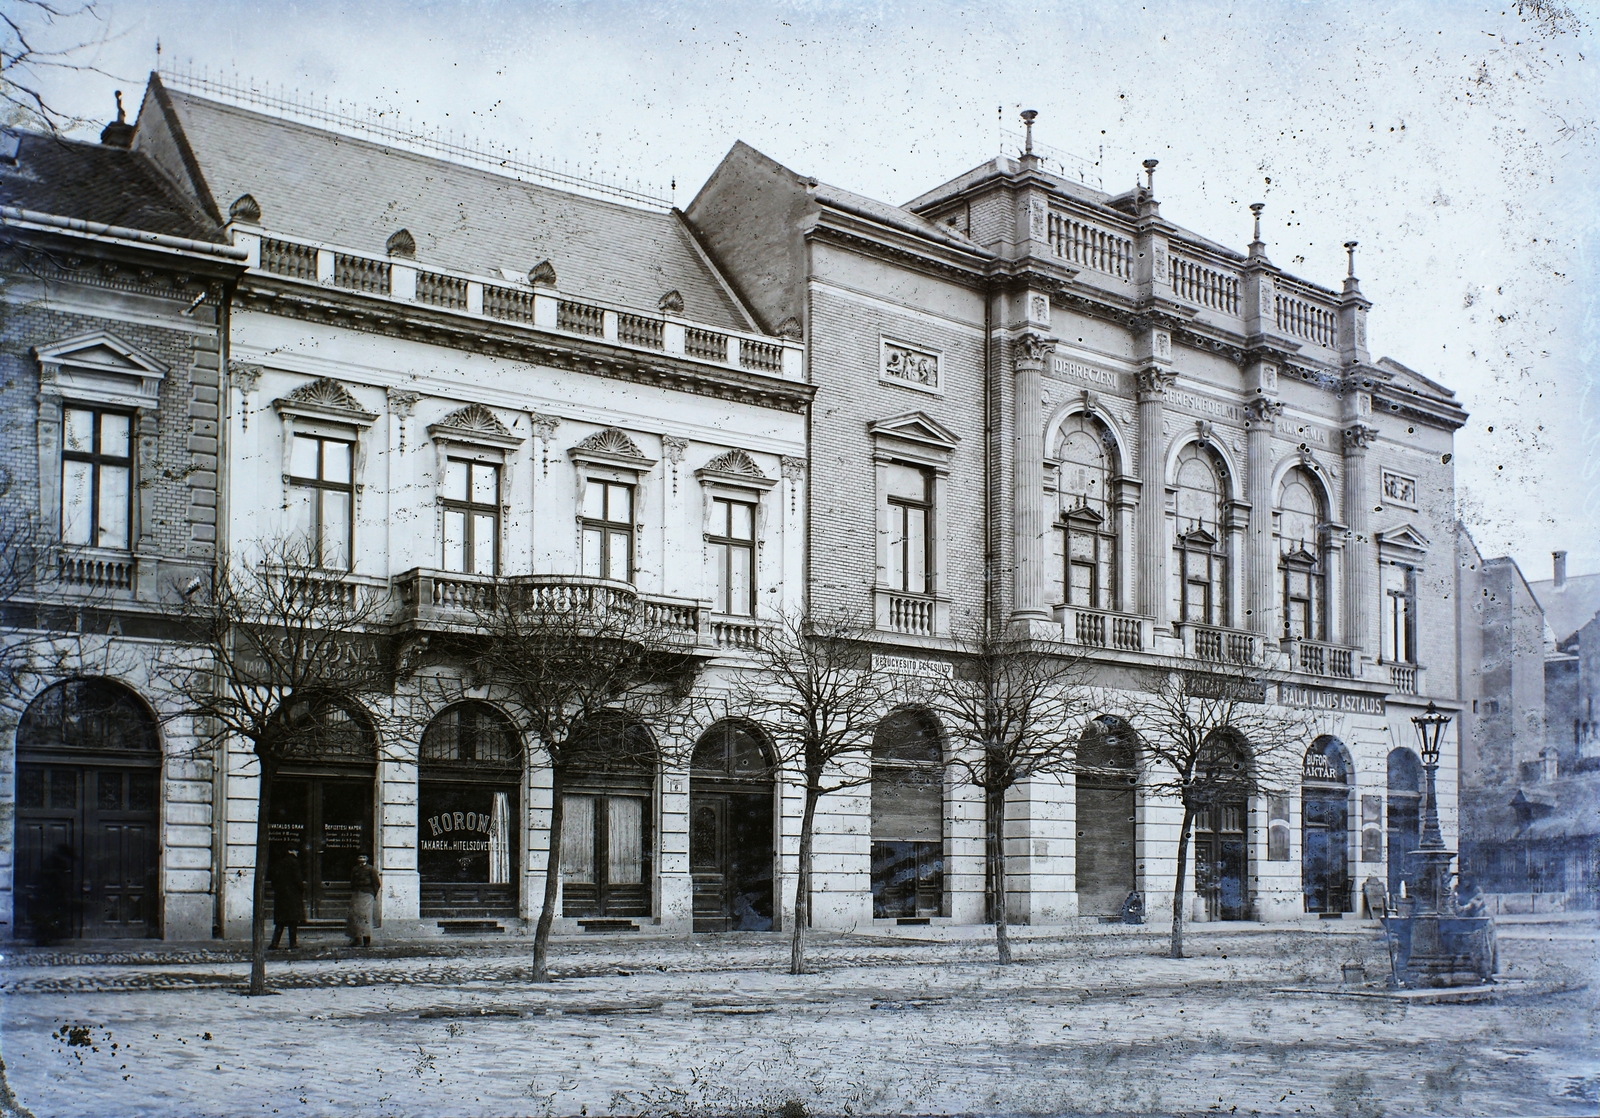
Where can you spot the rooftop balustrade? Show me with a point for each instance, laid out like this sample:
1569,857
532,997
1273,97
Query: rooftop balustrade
517,303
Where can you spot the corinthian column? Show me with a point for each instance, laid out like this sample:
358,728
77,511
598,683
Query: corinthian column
1260,583
1358,566
1027,472
1153,385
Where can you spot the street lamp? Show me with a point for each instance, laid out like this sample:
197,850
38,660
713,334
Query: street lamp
1431,963
1431,725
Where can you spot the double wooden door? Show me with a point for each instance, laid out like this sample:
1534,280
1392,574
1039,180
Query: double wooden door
730,859
1107,868
327,817
87,849
1220,859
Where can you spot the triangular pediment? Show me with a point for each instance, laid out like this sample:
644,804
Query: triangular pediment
1404,538
1300,557
102,352
474,423
1198,538
916,427
1083,514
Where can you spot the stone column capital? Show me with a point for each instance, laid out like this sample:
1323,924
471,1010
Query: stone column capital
1262,411
1358,437
1033,350
1153,383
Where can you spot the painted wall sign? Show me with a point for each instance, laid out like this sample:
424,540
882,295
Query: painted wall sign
910,665
1318,698
1085,374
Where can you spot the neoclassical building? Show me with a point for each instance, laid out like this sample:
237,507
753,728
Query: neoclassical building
1053,407
1015,397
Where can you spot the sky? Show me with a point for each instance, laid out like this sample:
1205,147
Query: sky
1458,143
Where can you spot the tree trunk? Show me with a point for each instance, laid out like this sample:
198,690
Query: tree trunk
995,804
258,889
552,878
802,885
1177,889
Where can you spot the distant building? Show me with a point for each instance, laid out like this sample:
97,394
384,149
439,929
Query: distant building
1530,787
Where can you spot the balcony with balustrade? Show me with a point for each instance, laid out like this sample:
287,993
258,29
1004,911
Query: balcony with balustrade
426,600
1095,628
1322,659
1215,645
517,303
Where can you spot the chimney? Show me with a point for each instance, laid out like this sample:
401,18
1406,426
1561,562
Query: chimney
119,133
1560,561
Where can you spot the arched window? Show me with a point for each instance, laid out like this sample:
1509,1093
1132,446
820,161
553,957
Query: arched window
469,777
1302,513
1202,559
907,817
1088,456
606,842
1107,777
731,827
323,727
93,714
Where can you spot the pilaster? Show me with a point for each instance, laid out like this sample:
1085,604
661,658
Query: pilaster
1260,598
1153,382
1359,569
1029,354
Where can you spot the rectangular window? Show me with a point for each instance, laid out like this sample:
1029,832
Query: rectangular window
1372,828
910,539
1091,564
1400,614
608,530
322,498
96,478
733,546
472,517
1199,587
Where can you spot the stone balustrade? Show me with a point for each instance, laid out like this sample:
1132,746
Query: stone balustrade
1093,628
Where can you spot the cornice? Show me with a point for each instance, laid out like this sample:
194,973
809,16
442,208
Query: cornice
492,339
114,267
902,248
1391,399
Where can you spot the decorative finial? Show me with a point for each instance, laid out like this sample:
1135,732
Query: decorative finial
1350,247
1150,174
1028,117
1256,208
122,116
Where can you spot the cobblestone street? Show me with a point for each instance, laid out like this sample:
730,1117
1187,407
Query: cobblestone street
1081,1024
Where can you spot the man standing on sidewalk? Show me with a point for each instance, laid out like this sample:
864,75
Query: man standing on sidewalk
365,881
288,899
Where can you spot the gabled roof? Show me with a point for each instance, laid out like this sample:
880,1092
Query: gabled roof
323,186
98,182
1572,607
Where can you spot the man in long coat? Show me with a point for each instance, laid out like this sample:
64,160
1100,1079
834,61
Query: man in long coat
288,898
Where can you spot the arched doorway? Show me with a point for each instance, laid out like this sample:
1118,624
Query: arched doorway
469,800
1404,814
606,842
1325,827
1221,854
730,830
88,813
321,802
1107,778
907,817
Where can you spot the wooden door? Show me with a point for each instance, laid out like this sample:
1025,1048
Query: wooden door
1106,863
730,860
605,855
1324,861
1220,861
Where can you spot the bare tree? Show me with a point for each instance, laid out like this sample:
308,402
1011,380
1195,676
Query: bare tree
280,653
1015,708
571,654
1208,736
24,652
814,687
39,40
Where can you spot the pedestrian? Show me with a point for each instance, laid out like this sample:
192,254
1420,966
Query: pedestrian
365,881
288,899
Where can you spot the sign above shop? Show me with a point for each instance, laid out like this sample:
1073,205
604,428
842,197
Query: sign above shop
1321,698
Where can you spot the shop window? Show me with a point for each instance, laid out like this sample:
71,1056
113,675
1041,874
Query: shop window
1278,831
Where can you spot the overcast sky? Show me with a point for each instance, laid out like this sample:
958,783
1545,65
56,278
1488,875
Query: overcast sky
1456,142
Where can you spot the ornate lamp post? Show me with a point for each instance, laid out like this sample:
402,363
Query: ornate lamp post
1431,964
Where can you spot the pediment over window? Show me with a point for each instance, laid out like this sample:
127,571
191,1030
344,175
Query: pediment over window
324,398
736,468
1404,539
1299,557
611,447
916,427
1197,538
1084,515
474,424
100,367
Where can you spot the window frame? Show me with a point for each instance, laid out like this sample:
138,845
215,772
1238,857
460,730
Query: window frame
1406,598
1303,565
1216,581
607,528
96,459
1103,539
470,510
320,485
900,509
728,543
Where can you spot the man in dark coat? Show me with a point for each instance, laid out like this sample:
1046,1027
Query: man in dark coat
288,898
